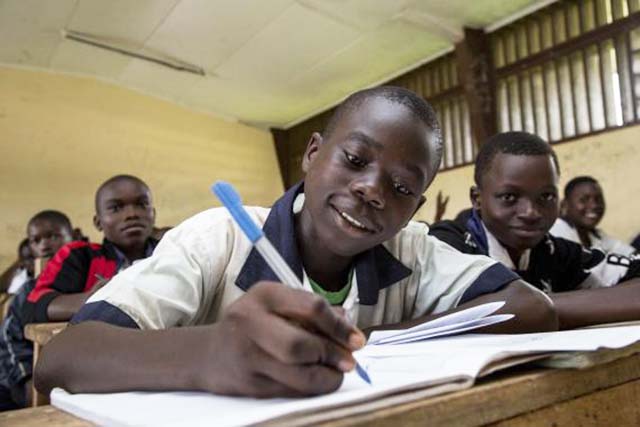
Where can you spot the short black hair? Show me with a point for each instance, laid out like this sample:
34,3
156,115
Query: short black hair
114,179
53,216
516,143
571,185
416,104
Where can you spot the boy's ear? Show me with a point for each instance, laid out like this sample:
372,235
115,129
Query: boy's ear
96,222
563,207
313,146
474,196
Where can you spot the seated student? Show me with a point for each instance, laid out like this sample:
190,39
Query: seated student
582,210
345,231
20,271
47,232
125,214
636,243
515,204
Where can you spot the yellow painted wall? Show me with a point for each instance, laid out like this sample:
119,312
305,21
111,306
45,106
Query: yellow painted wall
61,136
613,158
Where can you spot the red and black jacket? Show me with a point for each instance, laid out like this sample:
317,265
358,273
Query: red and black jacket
75,268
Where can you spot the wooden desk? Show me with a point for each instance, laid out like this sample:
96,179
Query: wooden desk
40,334
606,394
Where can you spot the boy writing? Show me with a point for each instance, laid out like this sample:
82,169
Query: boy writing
582,210
515,203
47,231
341,231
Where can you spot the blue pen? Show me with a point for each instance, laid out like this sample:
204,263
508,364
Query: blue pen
231,200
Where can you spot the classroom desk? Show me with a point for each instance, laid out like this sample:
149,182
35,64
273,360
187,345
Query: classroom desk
40,334
606,394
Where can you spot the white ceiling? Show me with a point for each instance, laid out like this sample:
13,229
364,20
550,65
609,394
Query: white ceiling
267,62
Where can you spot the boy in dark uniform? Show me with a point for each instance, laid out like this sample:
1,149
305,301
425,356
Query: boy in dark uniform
515,203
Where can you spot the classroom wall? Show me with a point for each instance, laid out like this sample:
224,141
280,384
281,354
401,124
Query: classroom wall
61,136
613,158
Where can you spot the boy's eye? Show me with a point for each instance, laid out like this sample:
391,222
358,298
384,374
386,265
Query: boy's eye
354,160
402,189
507,197
548,197
115,208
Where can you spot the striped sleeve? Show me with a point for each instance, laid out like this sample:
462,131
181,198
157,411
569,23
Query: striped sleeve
65,273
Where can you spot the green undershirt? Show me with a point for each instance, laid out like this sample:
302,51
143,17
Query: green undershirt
334,298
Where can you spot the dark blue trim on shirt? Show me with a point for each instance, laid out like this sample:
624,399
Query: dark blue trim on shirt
475,227
103,311
376,268
490,280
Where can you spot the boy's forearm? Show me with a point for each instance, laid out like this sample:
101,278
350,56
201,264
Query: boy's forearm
594,306
533,311
64,306
98,357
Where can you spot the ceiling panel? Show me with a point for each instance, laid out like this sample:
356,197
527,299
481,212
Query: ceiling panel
205,32
71,56
155,79
474,13
30,30
268,62
375,57
282,49
129,21
362,14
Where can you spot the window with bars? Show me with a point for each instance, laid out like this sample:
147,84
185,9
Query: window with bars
437,82
570,69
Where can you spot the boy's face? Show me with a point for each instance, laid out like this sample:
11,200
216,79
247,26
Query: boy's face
125,214
585,206
518,199
26,258
46,237
365,181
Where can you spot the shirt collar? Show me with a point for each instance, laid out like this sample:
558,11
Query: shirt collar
488,243
121,259
375,268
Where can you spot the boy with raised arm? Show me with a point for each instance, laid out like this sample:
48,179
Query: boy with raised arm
346,229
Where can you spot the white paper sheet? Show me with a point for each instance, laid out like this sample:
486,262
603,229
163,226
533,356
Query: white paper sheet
391,367
451,324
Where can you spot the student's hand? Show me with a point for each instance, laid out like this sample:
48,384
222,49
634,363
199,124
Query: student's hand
96,287
441,206
278,341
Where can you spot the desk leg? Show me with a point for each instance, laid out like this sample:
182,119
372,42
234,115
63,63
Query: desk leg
37,399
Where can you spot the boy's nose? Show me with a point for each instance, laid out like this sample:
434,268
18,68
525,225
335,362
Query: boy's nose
130,211
370,190
529,211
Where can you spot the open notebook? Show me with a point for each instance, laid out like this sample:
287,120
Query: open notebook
438,365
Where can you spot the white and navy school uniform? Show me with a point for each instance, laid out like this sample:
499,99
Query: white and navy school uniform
206,263
599,239
553,265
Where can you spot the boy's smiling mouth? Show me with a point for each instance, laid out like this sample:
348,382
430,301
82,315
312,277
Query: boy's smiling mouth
353,222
